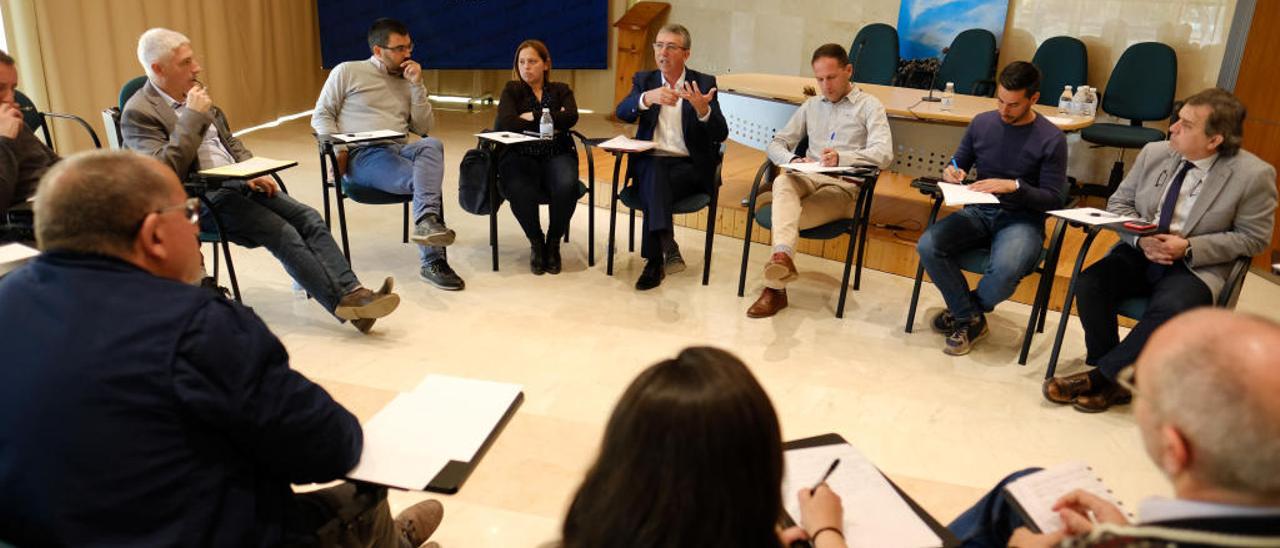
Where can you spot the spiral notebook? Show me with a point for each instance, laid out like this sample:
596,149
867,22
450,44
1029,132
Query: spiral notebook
1035,494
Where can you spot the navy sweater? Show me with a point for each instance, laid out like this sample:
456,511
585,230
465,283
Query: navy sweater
1034,154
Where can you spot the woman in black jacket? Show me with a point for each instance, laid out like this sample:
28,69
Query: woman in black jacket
542,171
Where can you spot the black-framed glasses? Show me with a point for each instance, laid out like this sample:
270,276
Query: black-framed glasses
399,49
1127,378
667,46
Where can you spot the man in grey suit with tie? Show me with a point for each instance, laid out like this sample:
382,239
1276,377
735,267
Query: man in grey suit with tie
1212,203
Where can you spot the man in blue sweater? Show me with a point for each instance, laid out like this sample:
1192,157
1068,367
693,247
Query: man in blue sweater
1021,158
137,409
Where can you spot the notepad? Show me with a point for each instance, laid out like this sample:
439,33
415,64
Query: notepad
1035,494
13,256
248,169
506,137
375,135
875,515
812,167
623,143
443,419
1090,216
956,195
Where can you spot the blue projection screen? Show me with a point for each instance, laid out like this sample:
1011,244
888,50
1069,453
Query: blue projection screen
471,34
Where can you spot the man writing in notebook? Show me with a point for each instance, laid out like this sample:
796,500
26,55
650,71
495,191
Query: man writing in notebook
1205,406
137,409
385,92
843,127
1020,157
173,119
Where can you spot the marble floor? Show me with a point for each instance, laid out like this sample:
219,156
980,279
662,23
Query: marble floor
944,428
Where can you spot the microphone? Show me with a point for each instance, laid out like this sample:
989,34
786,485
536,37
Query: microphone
933,80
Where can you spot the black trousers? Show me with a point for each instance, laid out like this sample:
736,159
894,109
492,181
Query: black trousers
527,181
661,182
1122,274
346,515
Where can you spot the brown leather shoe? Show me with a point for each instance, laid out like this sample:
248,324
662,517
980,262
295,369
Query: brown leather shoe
366,304
780,268
419,521
1064,390
1101,399
769,303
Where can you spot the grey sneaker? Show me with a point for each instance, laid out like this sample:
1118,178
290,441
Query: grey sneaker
944,322
961,341
674,263
439,274
431,231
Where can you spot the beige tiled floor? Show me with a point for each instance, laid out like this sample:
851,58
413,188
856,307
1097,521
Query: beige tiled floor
945,428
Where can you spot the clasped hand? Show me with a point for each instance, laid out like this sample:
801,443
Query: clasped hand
1163,248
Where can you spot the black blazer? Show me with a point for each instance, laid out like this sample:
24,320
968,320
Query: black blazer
702,138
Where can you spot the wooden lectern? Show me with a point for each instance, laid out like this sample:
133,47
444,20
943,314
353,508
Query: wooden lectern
634,31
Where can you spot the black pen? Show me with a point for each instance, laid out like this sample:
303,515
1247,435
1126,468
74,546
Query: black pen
834,464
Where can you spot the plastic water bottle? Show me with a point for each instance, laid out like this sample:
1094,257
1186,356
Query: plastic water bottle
1090,102
949,96
545,126
1064,101
1077,100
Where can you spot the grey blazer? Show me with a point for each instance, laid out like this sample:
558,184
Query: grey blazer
1232,217
150,126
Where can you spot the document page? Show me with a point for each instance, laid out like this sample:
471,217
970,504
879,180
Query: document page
375,135
626,144
1036,493
874,513
15,255
954,195
1090,216
812,167
506,137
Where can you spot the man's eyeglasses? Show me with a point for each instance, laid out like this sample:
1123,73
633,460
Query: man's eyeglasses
191,211
399,49
667,46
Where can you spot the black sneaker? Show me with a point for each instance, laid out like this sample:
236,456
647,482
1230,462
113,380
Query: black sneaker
431,231
439,274
944,322
961,341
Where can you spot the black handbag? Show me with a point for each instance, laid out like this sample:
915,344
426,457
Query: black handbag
478,165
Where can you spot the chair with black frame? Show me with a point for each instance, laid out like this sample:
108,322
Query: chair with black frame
37,120
977,260
874,52
1140,89
970,64
333,168
629,195
195,187
854,227
584,189
1063,61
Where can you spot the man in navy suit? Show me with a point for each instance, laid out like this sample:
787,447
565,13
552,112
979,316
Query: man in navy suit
677,109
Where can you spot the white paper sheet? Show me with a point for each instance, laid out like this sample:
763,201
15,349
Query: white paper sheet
626,144
874,513
444,418
13,256
812,167
1038,492
954,195
252,167
1090,216
362,136
506,137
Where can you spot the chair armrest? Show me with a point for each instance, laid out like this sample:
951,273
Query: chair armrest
92,134
1235,283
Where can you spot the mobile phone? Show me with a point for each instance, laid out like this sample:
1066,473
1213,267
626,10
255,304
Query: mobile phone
1139,226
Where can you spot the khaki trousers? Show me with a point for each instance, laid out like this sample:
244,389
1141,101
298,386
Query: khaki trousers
802,202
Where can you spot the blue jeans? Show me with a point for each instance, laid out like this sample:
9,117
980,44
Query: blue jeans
416,168
293,232
991,521
1016,239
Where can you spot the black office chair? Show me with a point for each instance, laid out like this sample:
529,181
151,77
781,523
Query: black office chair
38,121
854,227
1063,61
970,63
874,54
584,189
629,196
977,261
333,177
1140,89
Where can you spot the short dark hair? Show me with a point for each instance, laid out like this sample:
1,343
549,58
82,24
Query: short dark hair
382,30
1021,76
1226,118
92,202
833,51
5,58
661,477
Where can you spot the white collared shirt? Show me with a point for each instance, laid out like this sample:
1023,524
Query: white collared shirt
668,136
211,153
1192,185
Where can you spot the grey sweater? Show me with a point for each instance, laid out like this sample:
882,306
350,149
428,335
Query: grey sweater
361,96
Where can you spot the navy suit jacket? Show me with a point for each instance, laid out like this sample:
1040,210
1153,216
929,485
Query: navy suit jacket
140,411
702,138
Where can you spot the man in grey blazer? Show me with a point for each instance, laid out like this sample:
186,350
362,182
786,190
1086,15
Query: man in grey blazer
189,134
1212,203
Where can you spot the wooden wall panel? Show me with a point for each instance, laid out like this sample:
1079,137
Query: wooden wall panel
1256,87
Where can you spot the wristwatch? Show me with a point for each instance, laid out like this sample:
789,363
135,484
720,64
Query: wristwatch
1186,255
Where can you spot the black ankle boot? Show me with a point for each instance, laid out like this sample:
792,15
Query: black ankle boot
551,263
537,257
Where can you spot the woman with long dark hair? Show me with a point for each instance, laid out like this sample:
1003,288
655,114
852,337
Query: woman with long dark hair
542,171
692,456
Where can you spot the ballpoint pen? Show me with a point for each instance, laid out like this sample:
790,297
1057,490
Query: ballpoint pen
825,476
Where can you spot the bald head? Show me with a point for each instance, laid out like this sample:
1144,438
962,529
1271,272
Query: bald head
1213,376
